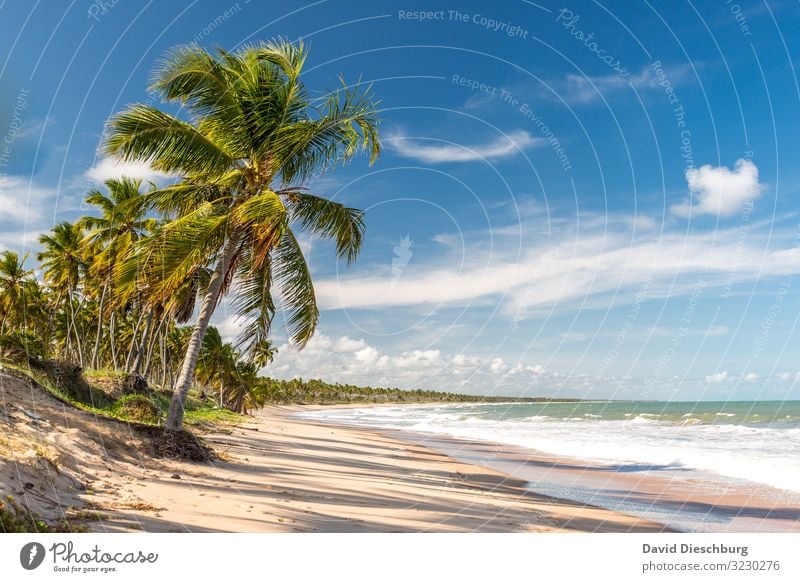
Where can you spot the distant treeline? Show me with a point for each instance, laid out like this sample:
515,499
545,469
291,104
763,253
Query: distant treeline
299,391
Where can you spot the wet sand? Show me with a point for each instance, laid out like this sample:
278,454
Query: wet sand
666,494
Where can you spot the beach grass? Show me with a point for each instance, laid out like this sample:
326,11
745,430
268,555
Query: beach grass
129,408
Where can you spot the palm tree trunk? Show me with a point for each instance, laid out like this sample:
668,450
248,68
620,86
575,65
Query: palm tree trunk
73,317
184,382
152,347
96,354
134,335
112,331
163,379
137,363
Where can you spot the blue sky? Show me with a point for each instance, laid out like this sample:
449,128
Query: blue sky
579,199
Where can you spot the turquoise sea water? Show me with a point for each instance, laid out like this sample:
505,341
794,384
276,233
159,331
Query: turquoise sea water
757,414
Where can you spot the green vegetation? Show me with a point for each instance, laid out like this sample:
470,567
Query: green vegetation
147,408
117,286
17,519
138,408
298,391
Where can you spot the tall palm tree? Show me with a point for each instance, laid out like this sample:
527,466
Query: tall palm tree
217,362
18,291
64,263
122,222
253,138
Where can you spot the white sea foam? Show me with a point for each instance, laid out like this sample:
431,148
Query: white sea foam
766,455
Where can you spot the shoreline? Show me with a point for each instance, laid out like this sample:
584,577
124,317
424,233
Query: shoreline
680,500
283,474
276,474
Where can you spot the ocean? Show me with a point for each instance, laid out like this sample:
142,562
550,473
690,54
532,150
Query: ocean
735,450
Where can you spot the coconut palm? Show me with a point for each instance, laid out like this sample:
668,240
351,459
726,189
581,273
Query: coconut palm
14,279
64,264
244,391
253,138
216,363
122,222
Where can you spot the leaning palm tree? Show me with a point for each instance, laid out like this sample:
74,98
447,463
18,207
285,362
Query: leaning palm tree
253,137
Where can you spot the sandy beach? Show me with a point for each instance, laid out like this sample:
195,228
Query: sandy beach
276,474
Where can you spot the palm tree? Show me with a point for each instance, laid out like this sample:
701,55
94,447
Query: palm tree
15,285
122,222
245,391
64,264
216,363
253,138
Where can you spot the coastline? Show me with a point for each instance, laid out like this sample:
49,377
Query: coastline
283,474
680,499
277,473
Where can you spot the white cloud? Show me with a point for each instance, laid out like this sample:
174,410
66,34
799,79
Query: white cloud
367,355
421,368
583,89
442,152
594,268
717,378
720,191
228,324
417,358
716,329
25,211
346,344
110,169
21,199
462,364
498,366
750,377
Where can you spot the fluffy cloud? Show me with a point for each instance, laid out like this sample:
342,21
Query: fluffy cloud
110,169
438,152
333,359
462,364
497,366
20,199
346,344
717,378
23,211
720,191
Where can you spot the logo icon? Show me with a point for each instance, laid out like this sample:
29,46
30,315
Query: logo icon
31,555
402,256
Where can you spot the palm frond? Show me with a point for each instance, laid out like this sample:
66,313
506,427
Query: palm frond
253,303
329,219
172,255
346,123
145,134
291,273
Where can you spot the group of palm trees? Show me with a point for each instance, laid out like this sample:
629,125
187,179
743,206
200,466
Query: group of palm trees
116,288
